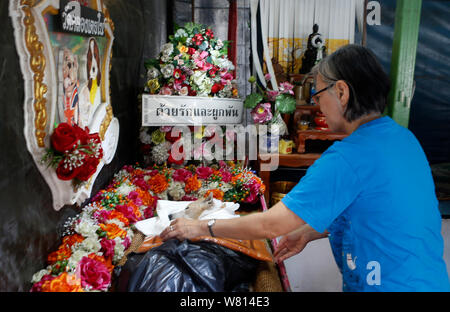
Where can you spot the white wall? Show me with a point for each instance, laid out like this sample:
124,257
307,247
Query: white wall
314,269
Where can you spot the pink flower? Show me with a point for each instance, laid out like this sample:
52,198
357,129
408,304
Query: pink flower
128,212
203,172
165,128
286,87
271,95
204,54
188,198
142,184
126,242
267,77
37,287
165,91
94,274
253,189
148,213
180,175
184,91
101,215
226,176
108,247
226,76
262,113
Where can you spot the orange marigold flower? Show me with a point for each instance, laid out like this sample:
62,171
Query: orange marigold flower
146,197
71,240
106,262
119,216
236,177
113,230
217,194
63,283
63,252
158,183
192,184
136,210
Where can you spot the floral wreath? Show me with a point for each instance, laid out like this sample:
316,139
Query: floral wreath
95,241
192,63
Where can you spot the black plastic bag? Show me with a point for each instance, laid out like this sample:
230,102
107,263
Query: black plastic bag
188,267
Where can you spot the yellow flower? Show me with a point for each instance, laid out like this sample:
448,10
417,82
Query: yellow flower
183,49
153,85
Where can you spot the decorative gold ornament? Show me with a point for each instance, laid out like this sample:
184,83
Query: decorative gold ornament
37,64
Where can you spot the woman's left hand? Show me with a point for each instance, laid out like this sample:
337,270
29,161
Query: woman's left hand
182,229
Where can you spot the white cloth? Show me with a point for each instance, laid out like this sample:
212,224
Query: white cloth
155,225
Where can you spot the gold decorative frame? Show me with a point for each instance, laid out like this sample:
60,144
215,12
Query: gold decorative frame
40,87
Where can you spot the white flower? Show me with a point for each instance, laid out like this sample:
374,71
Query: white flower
198,77
76,257
144,136
176,190
184,91
180,33
91,244
165,58
160,152
38,275
219,44
119,249
167,49
124,189
86,227
152,73
167,70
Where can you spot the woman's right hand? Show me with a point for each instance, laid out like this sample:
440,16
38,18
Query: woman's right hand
294,242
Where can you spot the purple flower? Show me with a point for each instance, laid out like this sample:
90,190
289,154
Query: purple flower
262,113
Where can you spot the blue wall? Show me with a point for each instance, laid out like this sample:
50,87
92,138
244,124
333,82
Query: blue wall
430,107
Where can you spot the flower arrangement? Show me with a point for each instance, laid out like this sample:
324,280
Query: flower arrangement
74,153
268,105
193,63
95,241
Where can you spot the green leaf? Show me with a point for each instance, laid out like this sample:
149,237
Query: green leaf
151,63
252,100
285,103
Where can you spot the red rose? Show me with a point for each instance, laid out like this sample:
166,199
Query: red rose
64,137
83,135
216,87
197,39
88,168
66,172
191,51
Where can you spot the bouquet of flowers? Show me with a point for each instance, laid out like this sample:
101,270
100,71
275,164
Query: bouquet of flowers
193,63
268,105
74,152
95,241
157,144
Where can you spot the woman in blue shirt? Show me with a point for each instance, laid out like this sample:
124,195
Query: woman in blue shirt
372,193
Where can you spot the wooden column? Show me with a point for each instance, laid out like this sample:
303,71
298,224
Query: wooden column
406,33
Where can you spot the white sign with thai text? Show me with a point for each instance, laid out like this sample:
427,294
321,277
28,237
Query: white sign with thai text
166,110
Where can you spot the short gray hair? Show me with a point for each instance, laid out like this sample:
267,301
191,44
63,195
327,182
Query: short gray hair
359,68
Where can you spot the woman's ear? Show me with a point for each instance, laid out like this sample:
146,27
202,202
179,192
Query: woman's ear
343,93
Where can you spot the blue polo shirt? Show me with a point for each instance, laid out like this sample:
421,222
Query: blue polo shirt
374,193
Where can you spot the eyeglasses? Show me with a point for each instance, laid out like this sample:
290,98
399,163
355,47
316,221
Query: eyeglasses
313,96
